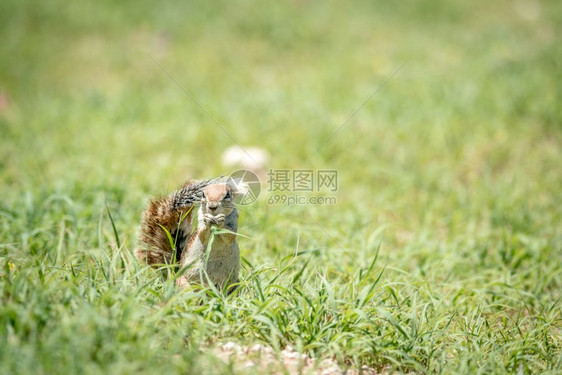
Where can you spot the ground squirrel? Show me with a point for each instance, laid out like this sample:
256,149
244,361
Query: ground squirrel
210,254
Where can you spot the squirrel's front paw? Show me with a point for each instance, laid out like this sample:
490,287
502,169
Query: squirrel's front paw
219,220
214,220
209,219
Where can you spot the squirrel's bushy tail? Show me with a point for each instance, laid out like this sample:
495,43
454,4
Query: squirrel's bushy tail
173,213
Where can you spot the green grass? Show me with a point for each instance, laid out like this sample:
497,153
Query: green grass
451,175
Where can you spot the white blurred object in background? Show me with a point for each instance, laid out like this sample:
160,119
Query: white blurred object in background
254,159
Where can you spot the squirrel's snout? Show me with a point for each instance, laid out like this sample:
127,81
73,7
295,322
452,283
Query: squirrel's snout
212,205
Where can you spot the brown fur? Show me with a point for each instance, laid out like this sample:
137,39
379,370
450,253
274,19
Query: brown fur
155,248
216,192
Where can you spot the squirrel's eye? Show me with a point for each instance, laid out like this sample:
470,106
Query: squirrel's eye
227,196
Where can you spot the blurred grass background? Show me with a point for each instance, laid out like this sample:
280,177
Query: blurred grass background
454,166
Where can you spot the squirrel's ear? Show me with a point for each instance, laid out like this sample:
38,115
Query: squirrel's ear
238,186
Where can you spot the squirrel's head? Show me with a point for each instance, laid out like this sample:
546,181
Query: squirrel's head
218,199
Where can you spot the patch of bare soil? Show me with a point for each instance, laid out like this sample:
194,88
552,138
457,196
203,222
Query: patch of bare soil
260,358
